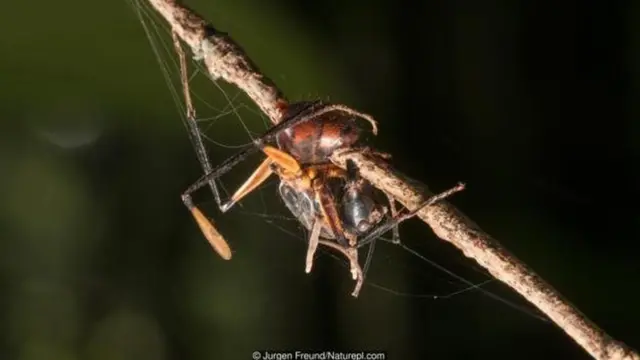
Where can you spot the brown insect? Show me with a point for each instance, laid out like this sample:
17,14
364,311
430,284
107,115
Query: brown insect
340,209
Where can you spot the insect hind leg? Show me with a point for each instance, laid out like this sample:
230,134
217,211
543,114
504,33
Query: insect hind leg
395,221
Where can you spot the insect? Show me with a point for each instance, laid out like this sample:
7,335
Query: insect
339,208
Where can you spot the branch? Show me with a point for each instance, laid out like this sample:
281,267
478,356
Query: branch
222,57
225,59
451,225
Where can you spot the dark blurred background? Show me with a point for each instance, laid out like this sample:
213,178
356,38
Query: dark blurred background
533,105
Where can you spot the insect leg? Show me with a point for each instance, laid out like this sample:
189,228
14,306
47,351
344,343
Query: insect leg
275,156
395,237
368,259
309,112
329,211
262,173
352,255
378,231
258,144
353,177
314,238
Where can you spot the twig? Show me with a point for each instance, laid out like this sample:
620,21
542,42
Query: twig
222,57
225,59
450,224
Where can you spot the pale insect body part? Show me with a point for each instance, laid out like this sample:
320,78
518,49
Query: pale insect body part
216,240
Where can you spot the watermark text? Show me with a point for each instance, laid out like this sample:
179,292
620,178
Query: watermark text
318,355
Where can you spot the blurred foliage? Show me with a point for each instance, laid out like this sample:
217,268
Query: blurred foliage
533,105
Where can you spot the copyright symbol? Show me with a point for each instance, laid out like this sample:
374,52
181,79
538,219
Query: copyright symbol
256,355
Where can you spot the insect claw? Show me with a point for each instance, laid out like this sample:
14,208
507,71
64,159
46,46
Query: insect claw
186,199
226,206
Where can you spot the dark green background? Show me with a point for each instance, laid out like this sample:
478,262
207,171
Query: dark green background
534,106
